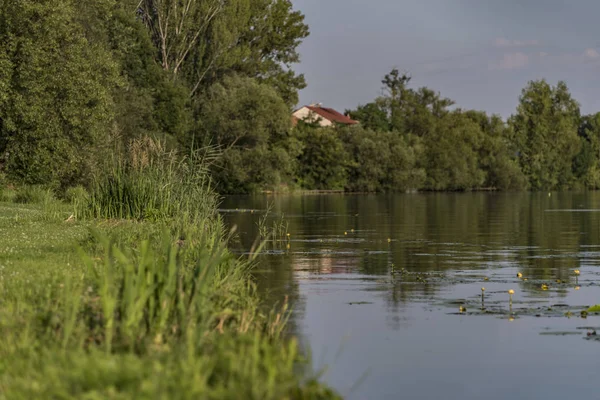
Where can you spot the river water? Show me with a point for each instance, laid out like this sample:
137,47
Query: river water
377,283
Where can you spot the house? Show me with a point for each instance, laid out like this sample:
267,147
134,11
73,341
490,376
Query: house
316,113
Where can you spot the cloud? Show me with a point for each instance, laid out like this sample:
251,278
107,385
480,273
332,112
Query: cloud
511,61
591,54
503,42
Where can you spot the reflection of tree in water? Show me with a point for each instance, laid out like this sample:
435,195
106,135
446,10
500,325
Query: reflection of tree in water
428,233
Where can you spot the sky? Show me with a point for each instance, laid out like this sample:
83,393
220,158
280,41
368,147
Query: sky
479,53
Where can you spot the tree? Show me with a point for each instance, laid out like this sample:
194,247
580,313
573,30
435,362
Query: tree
56,104
395,95
248,121
421,109
545,133
240,112
381,161
371,116
202,40
497,156
586,165
452,154
323,162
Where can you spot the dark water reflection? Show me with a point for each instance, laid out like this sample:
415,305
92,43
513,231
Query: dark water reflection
386,334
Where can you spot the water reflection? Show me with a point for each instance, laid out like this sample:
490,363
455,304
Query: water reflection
387,270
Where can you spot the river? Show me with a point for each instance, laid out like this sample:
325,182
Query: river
387,290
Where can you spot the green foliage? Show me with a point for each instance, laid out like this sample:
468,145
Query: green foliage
323,162
249,122
150,102
57,103
254,38
595,308
381,161
7,195
240,112
497,156
146,181
586,165
371,116
545,132
150,319
249,170
33,194
452,149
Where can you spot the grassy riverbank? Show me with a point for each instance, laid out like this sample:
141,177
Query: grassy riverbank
124,308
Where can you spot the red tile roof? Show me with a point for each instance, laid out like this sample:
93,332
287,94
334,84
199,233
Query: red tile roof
332,115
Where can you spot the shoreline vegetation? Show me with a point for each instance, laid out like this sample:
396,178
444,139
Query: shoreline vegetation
128,293
84,79
138,115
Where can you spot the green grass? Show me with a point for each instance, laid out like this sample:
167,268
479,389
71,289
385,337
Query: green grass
148,182
134,309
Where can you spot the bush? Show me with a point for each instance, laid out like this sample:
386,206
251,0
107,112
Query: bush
33,194
149,182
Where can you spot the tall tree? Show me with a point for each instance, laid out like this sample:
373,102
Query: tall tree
497,155
57,92
452,160
371,116
395,87
201,40
545,132
586,165
246,120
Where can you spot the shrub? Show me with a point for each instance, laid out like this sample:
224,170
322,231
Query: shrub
33,194
149,182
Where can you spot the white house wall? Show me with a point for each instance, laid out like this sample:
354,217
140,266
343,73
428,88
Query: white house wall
304,114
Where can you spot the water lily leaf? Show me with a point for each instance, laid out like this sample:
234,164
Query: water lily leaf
595,308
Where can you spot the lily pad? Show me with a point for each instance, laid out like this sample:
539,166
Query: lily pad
595,308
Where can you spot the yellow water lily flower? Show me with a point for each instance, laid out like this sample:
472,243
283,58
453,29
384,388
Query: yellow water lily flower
511,291
519,275
544,287
576,272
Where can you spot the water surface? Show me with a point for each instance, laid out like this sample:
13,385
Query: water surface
377,283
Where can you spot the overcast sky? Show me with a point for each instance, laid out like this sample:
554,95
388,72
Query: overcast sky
480,53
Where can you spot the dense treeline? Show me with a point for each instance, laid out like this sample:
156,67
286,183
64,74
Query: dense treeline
77,80
414,139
